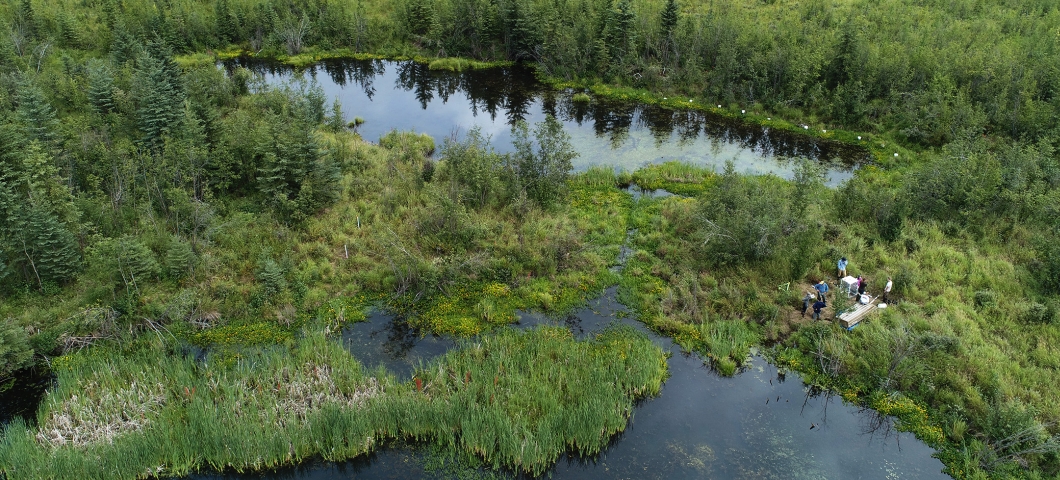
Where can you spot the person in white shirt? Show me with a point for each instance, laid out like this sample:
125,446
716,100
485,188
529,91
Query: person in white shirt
887,289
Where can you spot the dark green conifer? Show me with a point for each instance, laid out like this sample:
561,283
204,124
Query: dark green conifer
36,114
69,29
620,29
180,259
227,22
160,96
124,47
26,18
418,15
669,17
100,87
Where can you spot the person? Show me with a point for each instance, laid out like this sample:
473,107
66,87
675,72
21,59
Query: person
887,289
862,285
842,267
806,302
817,307
822,288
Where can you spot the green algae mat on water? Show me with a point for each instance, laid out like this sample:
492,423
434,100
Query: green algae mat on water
514,399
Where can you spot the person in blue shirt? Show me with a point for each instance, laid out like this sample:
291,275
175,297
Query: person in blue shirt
817,307
842,267
822,288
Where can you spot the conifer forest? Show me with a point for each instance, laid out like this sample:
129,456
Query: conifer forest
196,219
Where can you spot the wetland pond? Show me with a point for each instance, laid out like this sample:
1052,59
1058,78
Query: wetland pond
760,423
756,424
409,96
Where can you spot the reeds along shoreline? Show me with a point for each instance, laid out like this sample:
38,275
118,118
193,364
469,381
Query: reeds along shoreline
513,399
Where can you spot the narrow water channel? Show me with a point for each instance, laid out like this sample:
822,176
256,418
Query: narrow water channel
409,96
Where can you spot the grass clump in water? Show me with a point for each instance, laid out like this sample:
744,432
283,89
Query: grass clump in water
515,399
581,97
521,399
675,177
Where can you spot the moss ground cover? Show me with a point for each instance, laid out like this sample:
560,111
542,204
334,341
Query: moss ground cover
515,399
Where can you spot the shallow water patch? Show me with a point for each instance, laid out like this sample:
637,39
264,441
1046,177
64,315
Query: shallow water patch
389,340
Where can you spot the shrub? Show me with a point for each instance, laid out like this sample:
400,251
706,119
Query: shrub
125,261
543,172
1035,312
409,146
473,169
743,218
15,350
985,298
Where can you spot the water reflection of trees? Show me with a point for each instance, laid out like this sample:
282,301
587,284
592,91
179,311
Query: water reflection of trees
361,73
510,89
513,90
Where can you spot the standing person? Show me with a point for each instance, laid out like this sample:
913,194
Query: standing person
887,289
822,288
806,302
842,267
862,286
817,307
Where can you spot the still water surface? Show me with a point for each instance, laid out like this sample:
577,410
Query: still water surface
409,96
754,425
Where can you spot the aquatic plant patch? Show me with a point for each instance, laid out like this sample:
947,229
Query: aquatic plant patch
514,399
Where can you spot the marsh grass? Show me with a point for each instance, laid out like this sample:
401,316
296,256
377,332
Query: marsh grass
514,400
675,177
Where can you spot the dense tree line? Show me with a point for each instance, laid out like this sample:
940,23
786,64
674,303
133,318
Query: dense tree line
930,73
140,136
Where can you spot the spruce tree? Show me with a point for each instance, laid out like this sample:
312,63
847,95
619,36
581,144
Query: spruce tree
180,259
418,15
620,29
25,16
69,30
100,87
226,27
49,252
669,18
124,47
36,114
521,32
35,207
160,98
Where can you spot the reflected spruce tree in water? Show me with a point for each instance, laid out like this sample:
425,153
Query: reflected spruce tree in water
416,77
361,73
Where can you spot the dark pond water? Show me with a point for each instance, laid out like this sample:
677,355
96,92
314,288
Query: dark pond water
391,342
758,424
409,96
21,394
